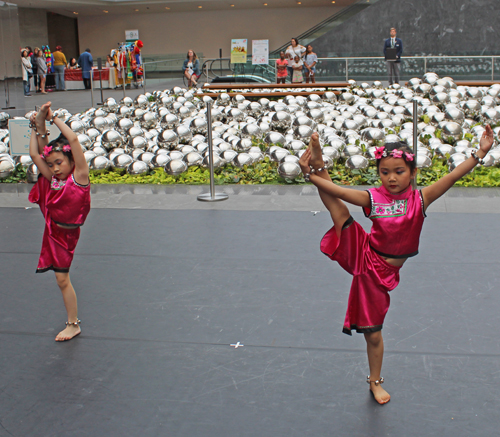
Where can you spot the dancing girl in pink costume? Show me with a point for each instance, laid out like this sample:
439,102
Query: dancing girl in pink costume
63,194
374,259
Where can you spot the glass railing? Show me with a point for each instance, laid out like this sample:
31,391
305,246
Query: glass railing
478,68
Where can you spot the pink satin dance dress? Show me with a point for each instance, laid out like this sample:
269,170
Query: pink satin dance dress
397,221
66,203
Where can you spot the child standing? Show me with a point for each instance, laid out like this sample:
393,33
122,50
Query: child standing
63,194
297,66
397,212
281,65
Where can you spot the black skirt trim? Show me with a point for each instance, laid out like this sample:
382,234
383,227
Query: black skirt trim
361,329
348,222
409,255
76,226
55,269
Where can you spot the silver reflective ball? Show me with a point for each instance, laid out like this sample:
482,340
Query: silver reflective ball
160,160
242,159
169,121
444,149
99,163
302,132
137,168
7,166
289,170
243,145
274,138
32,173
278,154
78,127
218,162
146,157
121,161
149,120
228,155
138,143
452,129
141,101
184,133
168,139
111,139
198,125
357,162
193,158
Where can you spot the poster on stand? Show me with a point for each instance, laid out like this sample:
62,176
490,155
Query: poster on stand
20,134
131,35
238,51
260,51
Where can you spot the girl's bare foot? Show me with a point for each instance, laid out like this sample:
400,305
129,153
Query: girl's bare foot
70,332
316,152
380,395
41,115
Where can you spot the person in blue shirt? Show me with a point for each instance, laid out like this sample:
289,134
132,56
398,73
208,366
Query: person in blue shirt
86,62
393,66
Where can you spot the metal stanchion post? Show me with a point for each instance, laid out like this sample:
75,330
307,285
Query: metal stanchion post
212,196
92,86
415,137
144,77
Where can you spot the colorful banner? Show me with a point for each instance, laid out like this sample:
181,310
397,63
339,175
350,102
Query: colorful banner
238,51
260,51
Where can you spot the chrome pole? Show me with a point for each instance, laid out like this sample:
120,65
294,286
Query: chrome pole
212,196
415,137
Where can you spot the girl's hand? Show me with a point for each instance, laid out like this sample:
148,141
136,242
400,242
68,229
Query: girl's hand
304,161
486,140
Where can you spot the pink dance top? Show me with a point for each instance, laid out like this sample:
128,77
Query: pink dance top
397,222
65,202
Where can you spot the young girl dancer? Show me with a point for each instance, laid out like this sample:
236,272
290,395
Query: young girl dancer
63,194
397,212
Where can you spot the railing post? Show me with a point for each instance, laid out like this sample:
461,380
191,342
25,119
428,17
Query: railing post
144,77
492,68
415,137
346,69
425,65
212,196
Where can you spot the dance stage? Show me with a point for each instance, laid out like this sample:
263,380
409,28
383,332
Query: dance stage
168,287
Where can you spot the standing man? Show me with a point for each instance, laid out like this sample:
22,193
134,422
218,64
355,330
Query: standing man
86,62
393,65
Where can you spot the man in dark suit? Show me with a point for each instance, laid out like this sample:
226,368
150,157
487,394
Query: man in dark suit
86,62
393,66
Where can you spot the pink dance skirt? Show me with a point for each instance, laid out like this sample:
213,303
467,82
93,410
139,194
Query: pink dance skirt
58,248
372,279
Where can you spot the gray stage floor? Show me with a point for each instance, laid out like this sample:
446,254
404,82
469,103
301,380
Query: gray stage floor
163,292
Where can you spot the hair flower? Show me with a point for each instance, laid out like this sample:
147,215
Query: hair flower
397,153
67,148
379,152
409,156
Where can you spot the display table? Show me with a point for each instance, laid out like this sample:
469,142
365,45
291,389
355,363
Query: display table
74,79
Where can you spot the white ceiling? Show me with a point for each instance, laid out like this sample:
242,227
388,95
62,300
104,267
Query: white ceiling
97,7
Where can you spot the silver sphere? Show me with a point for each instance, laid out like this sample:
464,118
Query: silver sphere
121,161
357,162
242,159
32,173
7,166
289,170
137,168
99,163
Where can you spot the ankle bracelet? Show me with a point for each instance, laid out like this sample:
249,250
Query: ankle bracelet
78,321
377,382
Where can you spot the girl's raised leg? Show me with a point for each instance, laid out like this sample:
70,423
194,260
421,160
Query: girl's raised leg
375,351
338,210
70,302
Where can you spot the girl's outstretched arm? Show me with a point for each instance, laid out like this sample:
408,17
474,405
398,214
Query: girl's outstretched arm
437,189
355,197
81,172
43,168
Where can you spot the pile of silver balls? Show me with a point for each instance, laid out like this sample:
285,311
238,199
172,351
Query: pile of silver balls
168,129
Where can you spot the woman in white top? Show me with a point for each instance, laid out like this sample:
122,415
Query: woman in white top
27,70
294,49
